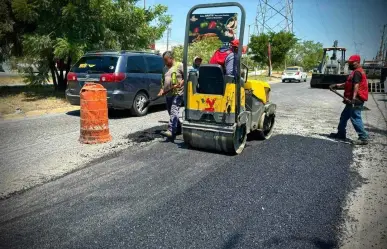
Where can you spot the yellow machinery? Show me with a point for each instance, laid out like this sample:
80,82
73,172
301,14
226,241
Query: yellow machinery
221,110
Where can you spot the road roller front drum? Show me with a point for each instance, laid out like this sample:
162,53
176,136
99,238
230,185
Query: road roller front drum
230,140
239,139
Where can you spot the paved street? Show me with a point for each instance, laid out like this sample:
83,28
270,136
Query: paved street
37,150
292,191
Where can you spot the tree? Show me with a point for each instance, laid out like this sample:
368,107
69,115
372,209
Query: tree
281,43
10,31
306,54
65,29
249,62
204,48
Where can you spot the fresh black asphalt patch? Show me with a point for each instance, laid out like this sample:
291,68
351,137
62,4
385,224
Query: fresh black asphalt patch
147,135
286,192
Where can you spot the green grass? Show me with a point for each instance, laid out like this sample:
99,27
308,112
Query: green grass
259,77
13,80
30,98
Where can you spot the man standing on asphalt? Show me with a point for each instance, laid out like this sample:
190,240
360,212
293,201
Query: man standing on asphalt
227,58
355,94
172,78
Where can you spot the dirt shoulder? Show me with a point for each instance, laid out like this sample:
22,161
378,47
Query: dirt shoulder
19,101
365,212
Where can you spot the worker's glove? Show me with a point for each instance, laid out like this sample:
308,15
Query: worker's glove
333,86
348,101
180,85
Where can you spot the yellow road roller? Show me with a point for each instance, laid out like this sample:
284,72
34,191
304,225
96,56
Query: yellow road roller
220,111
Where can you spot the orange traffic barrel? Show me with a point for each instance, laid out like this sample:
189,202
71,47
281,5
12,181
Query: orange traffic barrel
94,114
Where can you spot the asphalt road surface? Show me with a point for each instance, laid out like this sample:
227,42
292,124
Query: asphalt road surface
286,192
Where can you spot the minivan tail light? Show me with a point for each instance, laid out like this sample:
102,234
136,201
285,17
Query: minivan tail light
71,76
297,73
112,77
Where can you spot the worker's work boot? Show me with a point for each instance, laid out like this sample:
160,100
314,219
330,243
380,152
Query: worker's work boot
166,133
337,136
169,135
361,142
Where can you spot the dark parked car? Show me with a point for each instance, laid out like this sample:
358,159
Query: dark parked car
129,77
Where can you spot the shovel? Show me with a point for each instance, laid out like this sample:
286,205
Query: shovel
356,100
146,103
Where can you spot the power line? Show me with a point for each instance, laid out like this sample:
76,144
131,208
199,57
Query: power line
356,44
268,10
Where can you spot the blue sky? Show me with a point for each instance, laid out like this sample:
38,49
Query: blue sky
350,22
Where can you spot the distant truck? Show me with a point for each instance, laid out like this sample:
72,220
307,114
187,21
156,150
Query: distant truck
332,70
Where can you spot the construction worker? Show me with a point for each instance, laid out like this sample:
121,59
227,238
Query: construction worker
172,78
227,58
355,94
196,63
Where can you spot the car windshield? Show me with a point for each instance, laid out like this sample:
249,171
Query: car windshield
96,64
291,69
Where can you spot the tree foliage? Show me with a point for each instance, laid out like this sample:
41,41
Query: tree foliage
249,62
58,32
204,48
306,54
281,43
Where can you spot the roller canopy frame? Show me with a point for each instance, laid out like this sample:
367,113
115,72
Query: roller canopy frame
240,47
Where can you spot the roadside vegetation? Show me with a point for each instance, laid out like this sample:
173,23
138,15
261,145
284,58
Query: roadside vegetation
42,39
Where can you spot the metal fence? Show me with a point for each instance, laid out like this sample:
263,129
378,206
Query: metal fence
379,84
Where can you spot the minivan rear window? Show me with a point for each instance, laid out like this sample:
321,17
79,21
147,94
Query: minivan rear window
96,64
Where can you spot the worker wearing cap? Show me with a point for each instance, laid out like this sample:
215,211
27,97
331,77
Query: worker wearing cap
355,94
172,78
227,58
197,61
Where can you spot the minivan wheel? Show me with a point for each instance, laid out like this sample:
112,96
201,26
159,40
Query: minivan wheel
138,103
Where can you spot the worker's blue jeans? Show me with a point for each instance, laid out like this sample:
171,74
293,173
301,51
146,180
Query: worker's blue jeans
173,107
353,113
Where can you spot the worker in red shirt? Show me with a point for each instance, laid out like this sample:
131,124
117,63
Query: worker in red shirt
355,94
227,57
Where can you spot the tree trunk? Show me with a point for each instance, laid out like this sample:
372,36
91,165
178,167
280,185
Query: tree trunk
61,81
68,66
53,75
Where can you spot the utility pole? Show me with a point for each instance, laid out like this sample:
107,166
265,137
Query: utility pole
269,55
144,4
380,54
168,33
248,35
